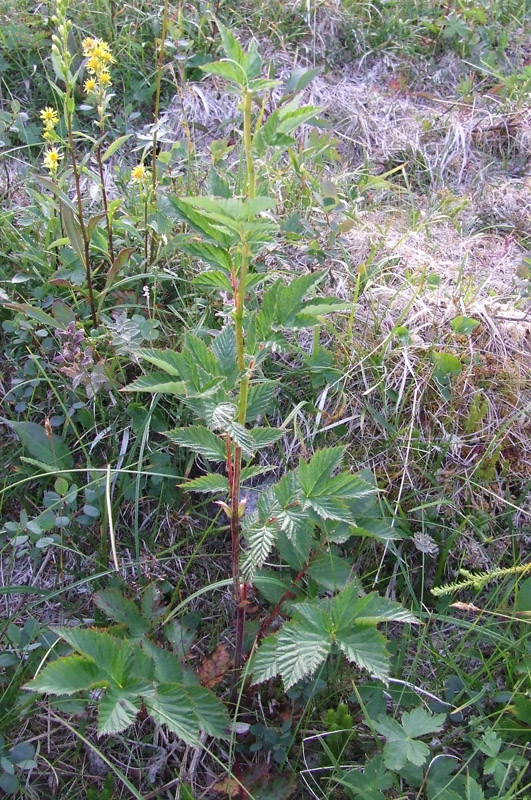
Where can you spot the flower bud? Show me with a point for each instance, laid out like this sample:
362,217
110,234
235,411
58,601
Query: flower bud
227,509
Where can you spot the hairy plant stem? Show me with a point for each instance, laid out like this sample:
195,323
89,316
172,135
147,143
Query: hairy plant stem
156,112
235,470
247,143
236,465
84,234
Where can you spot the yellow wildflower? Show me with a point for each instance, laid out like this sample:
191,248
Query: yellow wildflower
51,160
49,117
90,85
101,50
87,45
94,64
105,78
139,173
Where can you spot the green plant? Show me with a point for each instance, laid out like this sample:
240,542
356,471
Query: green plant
221,379
338,724
133,676
13,761
402,745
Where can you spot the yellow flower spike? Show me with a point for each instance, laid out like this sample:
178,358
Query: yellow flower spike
139,173
49,117
51,160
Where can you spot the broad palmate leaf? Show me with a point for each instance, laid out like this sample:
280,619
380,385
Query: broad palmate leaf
129,676
299,648
402,744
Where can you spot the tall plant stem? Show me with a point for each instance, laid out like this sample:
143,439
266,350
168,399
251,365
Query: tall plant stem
84,234
248,142
105,203
235,471
156,112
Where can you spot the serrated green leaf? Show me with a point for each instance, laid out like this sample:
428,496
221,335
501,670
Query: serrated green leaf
197,351
168,668
220,417
230,210
320,307
367,648
260,539
226,69
313,618
374,608
300,652
263,437
170,705
375,527
292,116
260,399
209,711
402,745
111,655
328,508
330,572
214,279
213,482
200,222
224,349
200,440
67,676
295,549
166,360
242,437
116,711
473,790
121,609
397,753
264,662
314,476
252,472
300,77
156,382
371,783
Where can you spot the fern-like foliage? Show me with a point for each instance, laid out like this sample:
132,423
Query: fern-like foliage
346,622
477,581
